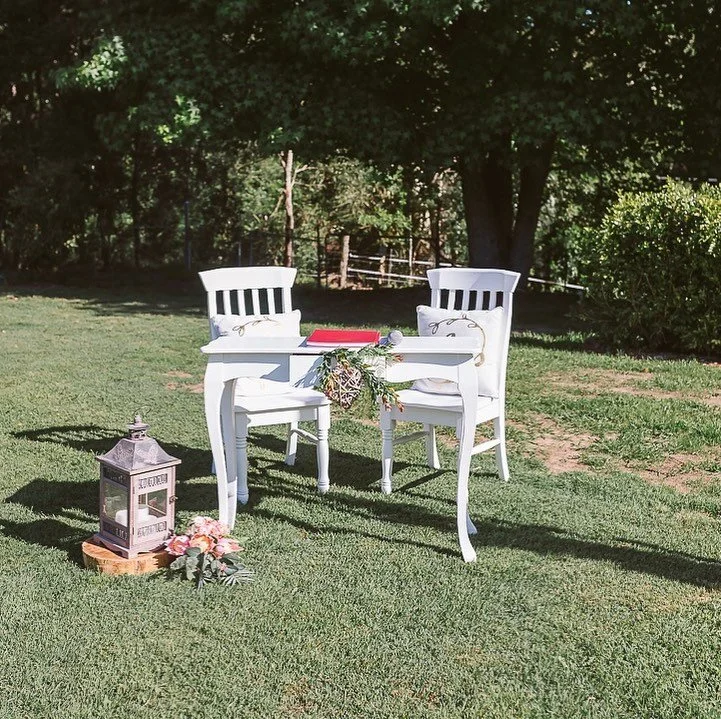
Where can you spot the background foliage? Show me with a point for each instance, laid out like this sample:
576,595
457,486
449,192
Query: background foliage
118,121
656,279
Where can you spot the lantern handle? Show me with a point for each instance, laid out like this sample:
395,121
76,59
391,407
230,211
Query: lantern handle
138,429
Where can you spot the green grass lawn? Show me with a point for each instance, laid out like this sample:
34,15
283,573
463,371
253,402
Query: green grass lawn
595,594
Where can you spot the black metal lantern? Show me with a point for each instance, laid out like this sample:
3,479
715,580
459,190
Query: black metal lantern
137,494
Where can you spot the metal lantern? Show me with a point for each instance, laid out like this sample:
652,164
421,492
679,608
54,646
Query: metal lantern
137,494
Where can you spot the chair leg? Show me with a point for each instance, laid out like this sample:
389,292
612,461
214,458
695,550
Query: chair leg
431,447
499,431
387,426
241,455
291,445
323,426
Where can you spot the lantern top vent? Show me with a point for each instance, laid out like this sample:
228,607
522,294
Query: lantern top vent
137,451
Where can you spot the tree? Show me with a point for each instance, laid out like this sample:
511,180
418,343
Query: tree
488,86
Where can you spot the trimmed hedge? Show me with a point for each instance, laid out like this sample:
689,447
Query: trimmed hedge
656,271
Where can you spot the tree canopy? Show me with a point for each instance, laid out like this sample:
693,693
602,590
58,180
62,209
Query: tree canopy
121,111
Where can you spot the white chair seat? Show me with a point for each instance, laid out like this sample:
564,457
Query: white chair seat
410,398
296,398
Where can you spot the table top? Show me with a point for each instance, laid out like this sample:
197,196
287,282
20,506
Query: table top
297,345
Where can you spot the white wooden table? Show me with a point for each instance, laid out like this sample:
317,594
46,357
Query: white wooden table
290,359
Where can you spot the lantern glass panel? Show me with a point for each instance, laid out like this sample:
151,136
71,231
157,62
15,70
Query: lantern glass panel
115,502
158,502
152,505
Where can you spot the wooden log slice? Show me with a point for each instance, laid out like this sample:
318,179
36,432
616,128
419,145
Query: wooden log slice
102,560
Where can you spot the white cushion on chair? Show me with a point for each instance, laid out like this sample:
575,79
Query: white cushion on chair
284,324
412,398
295,398
260,387
486,325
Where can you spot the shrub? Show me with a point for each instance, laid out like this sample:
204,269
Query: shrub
656,279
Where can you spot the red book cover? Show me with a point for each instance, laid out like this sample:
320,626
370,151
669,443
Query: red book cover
343,338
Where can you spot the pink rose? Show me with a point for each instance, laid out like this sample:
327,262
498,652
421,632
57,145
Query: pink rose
209,526
225,546
202,541
177,544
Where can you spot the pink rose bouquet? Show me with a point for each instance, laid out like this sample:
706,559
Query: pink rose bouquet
206,554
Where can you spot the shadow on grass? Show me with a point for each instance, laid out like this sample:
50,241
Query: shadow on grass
99,440
148,294
350,471
49,532
494,533
182,293
638,557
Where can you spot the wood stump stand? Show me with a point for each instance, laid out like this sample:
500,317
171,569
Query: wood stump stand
101,559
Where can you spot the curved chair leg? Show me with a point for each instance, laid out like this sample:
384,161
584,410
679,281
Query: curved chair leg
241,455
323,426
291,445
387,426
499,431
431,447
470,527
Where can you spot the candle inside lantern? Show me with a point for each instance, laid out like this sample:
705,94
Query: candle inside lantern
121,517
143,514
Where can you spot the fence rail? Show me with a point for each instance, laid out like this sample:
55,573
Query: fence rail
384,273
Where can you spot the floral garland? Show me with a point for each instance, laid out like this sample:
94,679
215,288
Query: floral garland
344,372
206,554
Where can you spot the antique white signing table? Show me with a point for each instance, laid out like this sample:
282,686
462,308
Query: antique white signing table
290,359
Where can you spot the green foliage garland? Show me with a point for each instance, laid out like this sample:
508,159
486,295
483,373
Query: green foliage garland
342,367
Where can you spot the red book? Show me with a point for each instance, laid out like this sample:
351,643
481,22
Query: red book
343,338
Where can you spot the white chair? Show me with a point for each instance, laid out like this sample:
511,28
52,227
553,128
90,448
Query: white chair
459,289
257,300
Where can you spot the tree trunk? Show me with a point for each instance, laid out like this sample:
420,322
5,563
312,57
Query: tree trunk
498,236
487,235
287,161
344,256
534,175
135,203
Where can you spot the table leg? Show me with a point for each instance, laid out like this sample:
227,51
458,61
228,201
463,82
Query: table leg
468,388
227,419
213,390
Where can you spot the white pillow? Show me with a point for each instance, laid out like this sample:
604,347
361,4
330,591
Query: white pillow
486,325
286,324
260,386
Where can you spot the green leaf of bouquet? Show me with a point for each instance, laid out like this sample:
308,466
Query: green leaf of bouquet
178,563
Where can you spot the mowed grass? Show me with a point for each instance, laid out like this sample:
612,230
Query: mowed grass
597,587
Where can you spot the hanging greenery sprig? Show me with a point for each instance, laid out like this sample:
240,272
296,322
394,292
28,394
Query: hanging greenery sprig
344,372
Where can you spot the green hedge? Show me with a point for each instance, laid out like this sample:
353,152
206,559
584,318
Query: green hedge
656,271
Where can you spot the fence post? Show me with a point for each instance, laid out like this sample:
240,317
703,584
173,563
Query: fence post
187,249
345,251
319,257
410,259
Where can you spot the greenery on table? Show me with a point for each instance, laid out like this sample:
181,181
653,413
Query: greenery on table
344,372
596,592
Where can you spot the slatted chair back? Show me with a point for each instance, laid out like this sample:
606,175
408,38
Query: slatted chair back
248,291
469,288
